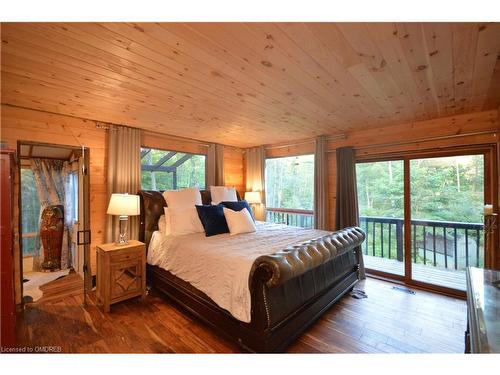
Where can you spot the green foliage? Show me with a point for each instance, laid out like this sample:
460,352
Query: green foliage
191,173
446,189
30,209
290,182
380,188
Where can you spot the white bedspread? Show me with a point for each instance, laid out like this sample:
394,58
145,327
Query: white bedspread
220,265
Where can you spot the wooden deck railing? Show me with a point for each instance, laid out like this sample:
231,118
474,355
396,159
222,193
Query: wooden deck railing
290,216
453,245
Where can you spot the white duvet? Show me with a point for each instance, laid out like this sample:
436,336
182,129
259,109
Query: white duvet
220,265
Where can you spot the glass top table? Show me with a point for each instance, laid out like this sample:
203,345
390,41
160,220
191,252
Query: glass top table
483,309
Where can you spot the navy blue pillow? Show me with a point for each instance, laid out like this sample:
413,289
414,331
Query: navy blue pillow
213,220
238,206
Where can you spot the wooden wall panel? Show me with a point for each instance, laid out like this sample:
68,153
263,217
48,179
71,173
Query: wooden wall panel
234,169
413,131
298,148
19,124
165,142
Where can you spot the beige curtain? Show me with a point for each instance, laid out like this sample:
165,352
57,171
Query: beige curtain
215,165
124,174
321,184
256,159
346,207
51,180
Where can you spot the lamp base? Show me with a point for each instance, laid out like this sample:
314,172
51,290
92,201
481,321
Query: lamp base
122,238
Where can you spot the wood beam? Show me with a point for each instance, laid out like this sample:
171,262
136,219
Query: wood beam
165,158
182,160
154,168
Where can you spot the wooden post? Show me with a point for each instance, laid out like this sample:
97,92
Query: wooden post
399,240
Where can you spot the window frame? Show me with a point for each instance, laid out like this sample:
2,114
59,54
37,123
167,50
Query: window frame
177,151
285,211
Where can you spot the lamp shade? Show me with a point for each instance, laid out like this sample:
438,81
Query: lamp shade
253,197
124,205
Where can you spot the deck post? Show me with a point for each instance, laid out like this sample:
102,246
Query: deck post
399,240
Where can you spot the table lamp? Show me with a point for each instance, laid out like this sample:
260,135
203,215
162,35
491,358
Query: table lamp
123,205
253,198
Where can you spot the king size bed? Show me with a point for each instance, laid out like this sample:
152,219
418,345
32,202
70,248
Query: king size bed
259,289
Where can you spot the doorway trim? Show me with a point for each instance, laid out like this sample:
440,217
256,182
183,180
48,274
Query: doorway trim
86,197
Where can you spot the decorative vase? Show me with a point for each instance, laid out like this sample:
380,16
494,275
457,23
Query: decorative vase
51,234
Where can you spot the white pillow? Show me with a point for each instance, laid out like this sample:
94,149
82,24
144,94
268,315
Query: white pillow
184,221
223,194
162,224
239,221
182,198
168,227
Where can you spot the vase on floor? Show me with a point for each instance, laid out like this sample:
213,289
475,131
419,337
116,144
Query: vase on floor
51,234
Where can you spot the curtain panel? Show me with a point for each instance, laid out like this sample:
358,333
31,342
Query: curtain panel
215,165
123,174
51,179
255,177
321,184
346,207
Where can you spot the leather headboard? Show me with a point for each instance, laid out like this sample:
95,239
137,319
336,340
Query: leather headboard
152,204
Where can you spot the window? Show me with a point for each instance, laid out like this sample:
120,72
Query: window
290,190
30,211
73,194
171,170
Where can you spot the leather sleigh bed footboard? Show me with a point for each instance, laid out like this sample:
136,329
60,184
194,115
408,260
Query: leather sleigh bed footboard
289,289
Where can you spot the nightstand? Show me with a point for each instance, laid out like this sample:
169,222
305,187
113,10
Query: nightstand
121,272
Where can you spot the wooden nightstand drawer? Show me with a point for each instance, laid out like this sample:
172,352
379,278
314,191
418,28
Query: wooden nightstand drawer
119,256
121,272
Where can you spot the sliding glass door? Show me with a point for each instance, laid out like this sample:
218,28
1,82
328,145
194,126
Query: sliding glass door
423,216
381,214
447,200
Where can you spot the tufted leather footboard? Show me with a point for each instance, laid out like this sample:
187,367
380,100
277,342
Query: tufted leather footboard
283,282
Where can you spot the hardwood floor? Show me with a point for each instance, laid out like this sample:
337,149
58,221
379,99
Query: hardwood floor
388,321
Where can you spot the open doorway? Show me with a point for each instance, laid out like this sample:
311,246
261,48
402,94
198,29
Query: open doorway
52,209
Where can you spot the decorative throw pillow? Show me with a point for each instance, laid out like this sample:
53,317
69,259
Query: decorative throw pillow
238,206
184,221
223,194
213,220
182,198
239,221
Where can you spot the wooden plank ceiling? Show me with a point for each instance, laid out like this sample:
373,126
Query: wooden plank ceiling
249,84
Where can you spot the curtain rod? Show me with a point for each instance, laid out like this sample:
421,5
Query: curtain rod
108,126
430,139
305,141
105,125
